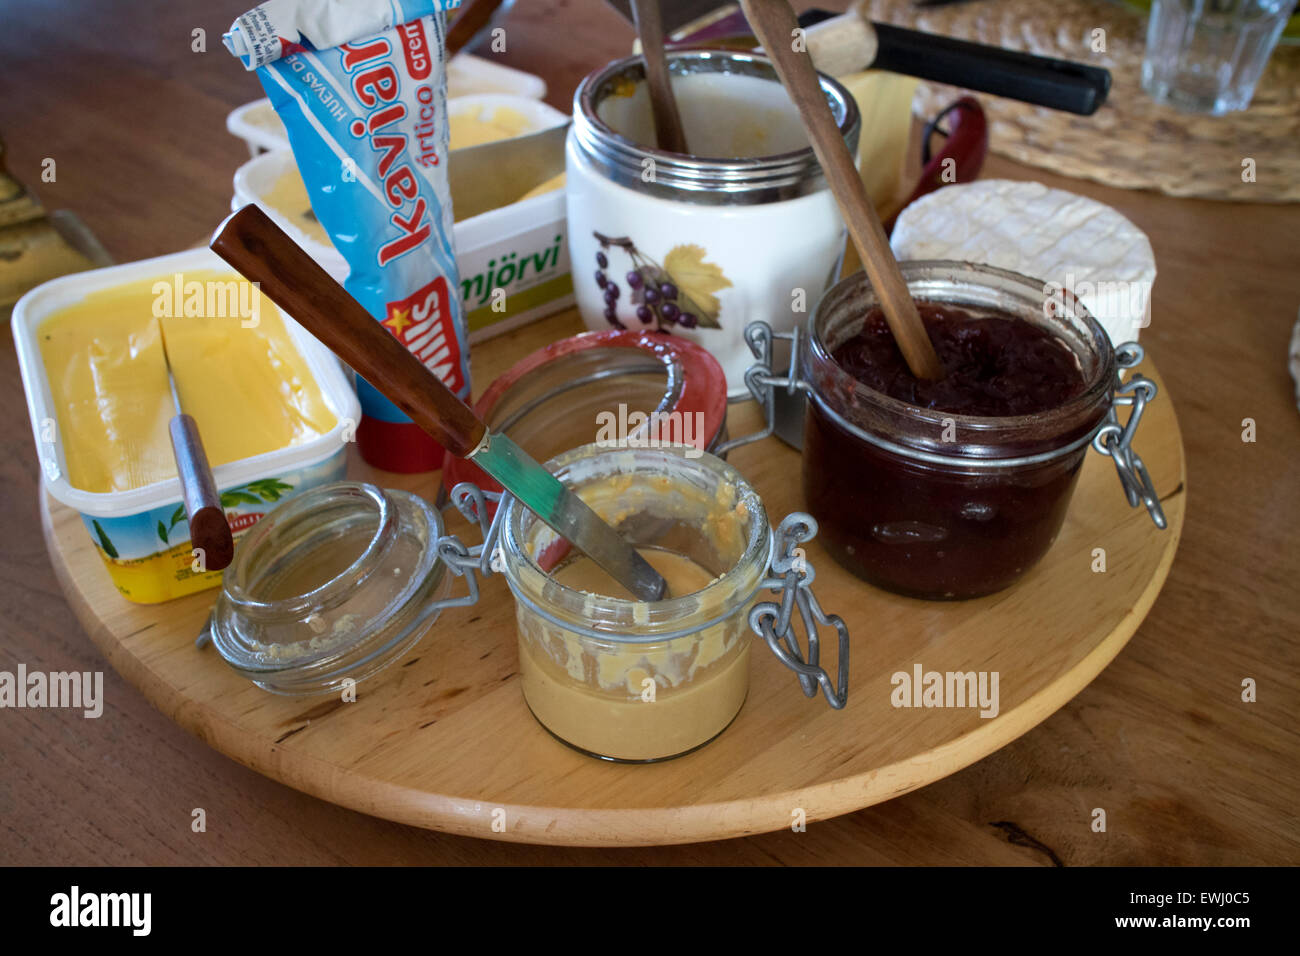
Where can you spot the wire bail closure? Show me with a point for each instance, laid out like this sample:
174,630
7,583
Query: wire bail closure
1116,440
775,622
763,382
482,558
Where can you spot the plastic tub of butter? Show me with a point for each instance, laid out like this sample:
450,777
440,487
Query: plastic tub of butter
136,519
521,249
257,124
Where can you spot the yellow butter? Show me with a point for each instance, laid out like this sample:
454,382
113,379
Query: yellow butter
552,184
472,129
288,195
248,388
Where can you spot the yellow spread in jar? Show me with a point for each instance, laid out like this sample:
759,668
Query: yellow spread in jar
682,575
248,388
653,698
635,701
629,726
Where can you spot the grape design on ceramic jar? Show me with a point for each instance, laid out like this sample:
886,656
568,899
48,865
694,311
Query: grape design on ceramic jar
680,292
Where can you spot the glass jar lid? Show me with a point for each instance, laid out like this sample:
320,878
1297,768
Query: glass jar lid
332,585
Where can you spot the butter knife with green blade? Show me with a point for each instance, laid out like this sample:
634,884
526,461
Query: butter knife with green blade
567,514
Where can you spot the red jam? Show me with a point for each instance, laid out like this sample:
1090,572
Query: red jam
995,365
940,524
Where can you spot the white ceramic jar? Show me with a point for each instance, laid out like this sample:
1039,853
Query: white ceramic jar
743,229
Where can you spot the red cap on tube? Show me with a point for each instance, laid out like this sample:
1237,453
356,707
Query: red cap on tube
397,446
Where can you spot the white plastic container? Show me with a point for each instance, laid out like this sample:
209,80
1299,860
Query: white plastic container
146,567
521,248
468,74
257,124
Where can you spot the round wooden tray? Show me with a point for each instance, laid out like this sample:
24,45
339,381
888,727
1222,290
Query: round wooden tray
442,739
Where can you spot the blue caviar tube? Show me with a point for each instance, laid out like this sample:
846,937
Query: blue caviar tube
361,88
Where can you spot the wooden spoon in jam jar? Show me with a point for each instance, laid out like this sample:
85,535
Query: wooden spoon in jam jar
774,23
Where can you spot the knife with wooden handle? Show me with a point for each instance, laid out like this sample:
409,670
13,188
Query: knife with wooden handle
289,277
209,529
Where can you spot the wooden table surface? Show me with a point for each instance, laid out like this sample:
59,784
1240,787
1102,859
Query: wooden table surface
1186,771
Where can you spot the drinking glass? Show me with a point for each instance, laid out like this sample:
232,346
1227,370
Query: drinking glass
1206,56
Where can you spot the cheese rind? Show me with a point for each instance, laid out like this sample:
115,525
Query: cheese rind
1064,240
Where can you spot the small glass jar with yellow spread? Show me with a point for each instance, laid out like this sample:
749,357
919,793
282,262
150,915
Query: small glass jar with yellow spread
639,682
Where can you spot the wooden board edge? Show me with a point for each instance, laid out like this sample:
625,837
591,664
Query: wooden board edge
638,827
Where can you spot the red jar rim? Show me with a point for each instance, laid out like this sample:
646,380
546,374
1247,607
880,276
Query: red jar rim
703,386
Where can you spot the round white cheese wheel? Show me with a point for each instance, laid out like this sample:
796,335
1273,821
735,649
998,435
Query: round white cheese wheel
1065,241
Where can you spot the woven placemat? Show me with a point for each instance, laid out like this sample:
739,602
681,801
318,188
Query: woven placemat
1131,142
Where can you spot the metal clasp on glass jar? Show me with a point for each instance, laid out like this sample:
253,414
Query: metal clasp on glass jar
926,525
1116,440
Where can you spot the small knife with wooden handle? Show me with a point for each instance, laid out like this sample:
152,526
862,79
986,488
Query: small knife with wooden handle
209,530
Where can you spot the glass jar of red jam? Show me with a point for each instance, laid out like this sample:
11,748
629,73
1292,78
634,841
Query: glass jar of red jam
943,504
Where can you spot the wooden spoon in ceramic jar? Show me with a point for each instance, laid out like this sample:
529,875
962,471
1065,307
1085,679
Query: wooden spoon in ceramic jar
669,134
